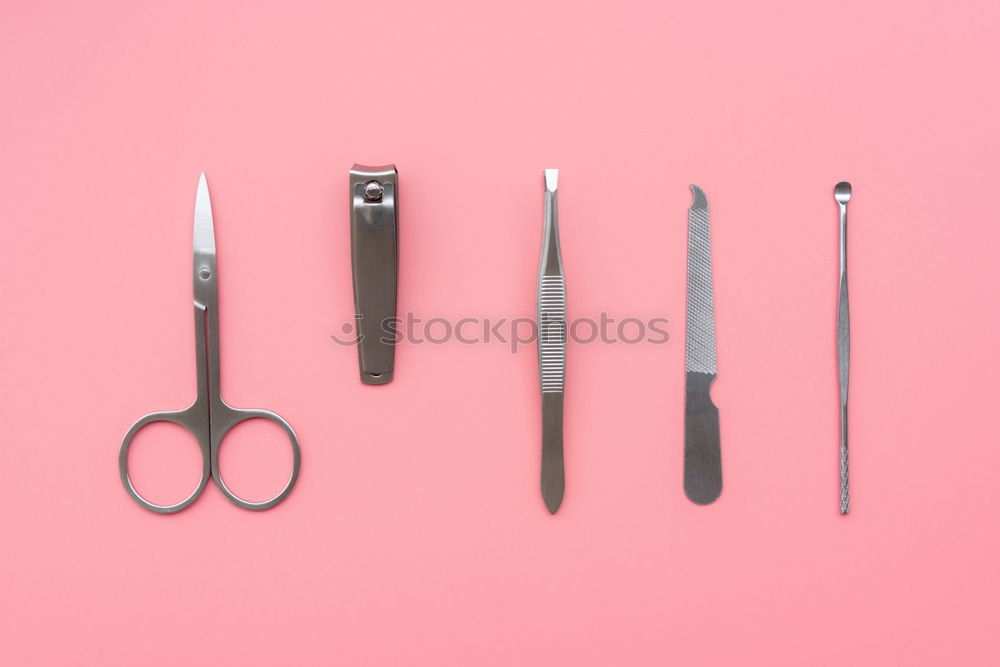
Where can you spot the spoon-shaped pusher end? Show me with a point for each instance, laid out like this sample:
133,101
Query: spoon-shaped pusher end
842,192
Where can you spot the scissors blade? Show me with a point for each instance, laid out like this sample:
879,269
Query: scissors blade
204,228
702,455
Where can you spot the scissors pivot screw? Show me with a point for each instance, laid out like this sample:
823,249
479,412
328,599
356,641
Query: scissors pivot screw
205,273
373,191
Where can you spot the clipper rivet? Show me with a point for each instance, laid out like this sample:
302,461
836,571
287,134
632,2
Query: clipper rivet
373,191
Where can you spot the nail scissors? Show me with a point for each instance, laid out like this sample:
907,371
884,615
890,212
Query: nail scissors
209,418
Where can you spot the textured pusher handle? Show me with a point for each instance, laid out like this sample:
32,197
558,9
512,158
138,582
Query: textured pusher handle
843,368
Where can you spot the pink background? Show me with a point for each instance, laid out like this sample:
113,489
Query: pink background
417,534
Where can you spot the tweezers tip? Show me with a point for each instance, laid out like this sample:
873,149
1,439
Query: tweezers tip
551,179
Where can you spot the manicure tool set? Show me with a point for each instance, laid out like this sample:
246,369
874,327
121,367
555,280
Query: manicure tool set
374,238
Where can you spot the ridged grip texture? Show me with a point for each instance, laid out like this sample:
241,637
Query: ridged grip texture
700,338
552,333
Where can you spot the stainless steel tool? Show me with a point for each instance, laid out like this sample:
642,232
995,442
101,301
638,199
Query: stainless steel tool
374,195
209,418
702,451
552,348
842,193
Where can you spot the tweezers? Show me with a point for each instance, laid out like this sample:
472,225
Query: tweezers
552,348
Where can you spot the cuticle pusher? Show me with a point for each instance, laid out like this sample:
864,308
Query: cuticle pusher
842,193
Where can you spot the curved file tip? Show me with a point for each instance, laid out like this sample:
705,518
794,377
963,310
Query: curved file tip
698,199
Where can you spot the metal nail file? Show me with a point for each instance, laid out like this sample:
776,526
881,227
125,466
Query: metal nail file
374,193
702,452
842,193
552,348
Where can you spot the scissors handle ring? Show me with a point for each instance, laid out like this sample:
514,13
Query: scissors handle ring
233,417
185,419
